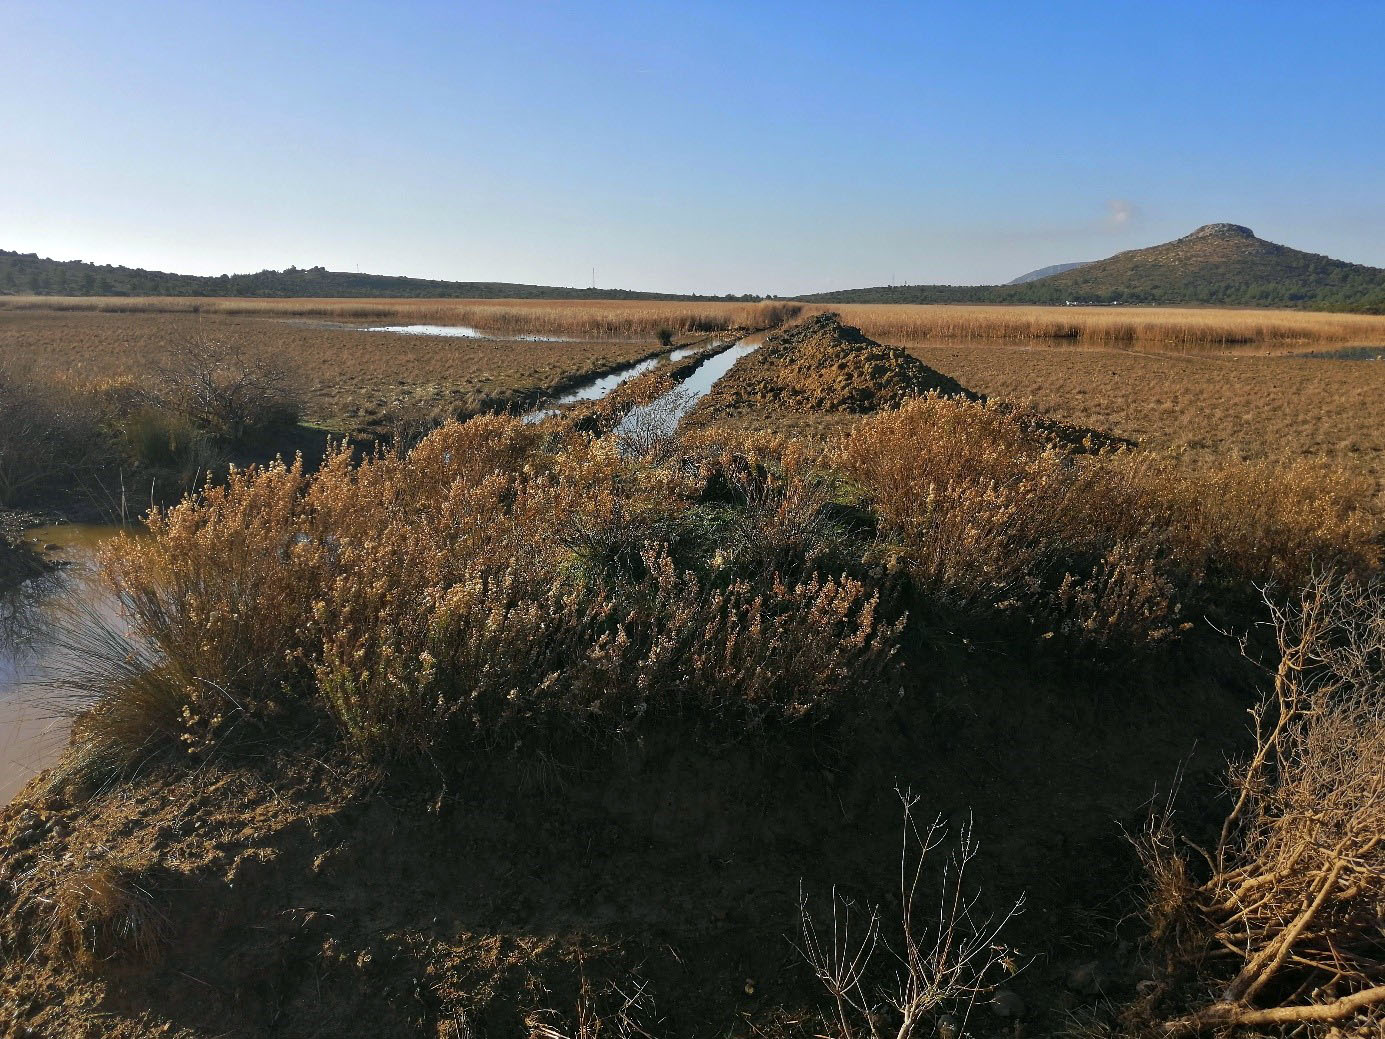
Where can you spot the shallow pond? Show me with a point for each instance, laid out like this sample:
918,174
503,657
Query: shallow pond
464,332
32,732
1350,353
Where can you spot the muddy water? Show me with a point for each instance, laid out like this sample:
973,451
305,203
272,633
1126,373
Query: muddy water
32,734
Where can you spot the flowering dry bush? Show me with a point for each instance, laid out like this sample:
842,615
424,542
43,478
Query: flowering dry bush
1110,547
501,583
505,582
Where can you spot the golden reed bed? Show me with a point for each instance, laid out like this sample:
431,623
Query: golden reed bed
1178,328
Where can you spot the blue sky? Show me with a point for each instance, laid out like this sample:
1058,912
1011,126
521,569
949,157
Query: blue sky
710,147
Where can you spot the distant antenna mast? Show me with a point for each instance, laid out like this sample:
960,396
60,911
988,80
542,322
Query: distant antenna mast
593,277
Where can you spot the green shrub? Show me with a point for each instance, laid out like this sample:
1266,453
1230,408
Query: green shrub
168,445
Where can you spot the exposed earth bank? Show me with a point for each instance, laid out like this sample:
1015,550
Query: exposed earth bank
285,893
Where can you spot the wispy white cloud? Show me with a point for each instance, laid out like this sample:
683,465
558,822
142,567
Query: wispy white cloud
1121,213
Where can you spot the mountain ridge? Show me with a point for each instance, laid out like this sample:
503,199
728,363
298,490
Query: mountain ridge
1047,272
1219,264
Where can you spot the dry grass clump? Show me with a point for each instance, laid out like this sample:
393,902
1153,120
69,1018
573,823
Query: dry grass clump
105,913
1283,913
490,586
1118,546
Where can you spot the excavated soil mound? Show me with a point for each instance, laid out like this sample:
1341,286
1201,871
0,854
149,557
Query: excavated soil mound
821,365
297,895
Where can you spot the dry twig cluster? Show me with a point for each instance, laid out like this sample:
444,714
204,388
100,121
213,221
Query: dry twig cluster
1288,907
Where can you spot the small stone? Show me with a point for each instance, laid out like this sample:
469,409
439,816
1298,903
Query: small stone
1007,1003
1089,979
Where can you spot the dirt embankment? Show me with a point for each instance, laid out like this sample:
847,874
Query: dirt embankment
815,377
822,366
287,893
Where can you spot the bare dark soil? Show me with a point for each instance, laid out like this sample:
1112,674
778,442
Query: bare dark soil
288,894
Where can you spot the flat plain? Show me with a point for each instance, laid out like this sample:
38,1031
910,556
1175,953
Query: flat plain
1168,328
1205,408
1196,397
348,375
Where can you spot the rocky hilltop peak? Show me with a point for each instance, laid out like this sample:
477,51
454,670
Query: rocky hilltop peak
1221,231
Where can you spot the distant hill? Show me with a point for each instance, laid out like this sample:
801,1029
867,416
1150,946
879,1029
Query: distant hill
1047,272
1221,264
29,274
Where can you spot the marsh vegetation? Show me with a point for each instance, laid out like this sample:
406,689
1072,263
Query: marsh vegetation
690,663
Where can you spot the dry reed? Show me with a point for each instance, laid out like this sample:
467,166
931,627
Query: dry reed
1167,327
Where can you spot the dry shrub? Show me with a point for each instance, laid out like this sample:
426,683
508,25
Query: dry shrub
106,913
1281,917
501,582
507,581
774,314
941,961
989,518
226,391
51,440
778,500
613,1011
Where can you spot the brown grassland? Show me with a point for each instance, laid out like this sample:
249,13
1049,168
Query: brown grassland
1202,406
1173,328
348,375
1162,328
1199,408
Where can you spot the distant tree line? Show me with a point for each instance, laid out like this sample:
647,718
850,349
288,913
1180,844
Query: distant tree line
27,274
1279,277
